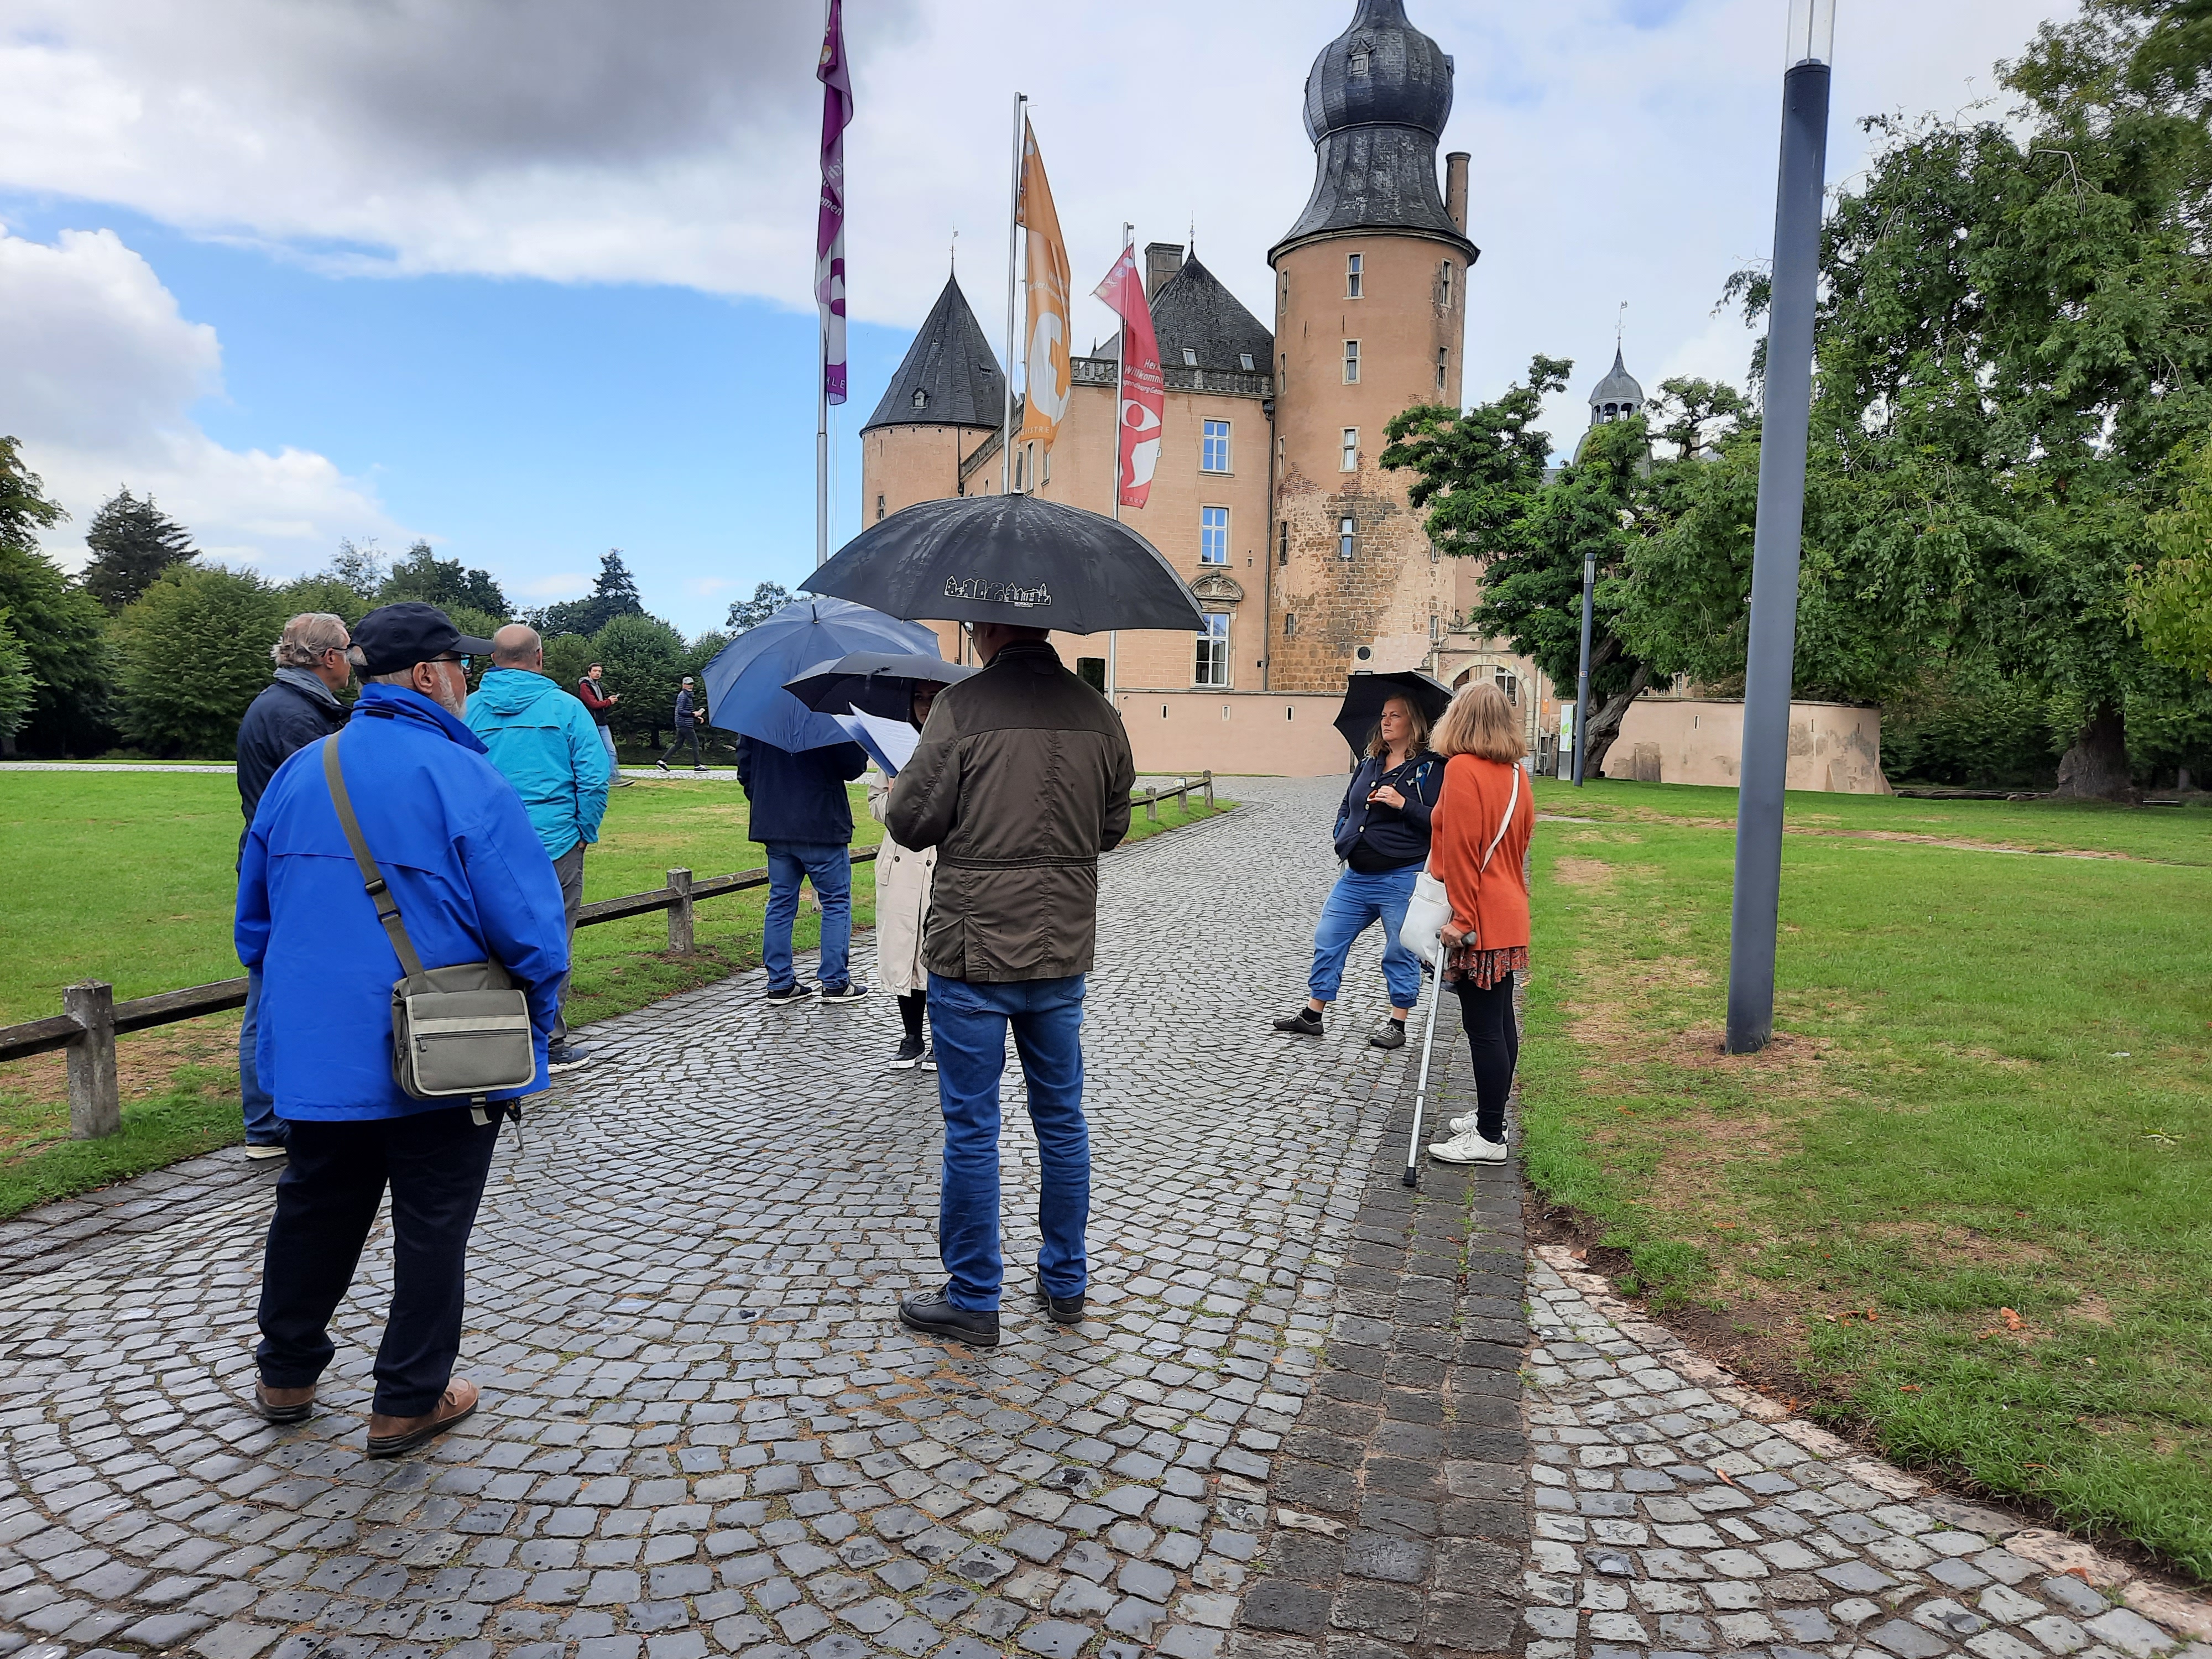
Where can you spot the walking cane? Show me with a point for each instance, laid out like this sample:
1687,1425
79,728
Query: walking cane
1421,1089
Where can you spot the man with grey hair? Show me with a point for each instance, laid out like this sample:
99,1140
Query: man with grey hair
545,743
298,707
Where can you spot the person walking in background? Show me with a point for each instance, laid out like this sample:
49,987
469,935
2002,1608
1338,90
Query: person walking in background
470,881
599,703
299,706
1020,781
687,730
1383,836
903,879
802,815
1483,824
545,743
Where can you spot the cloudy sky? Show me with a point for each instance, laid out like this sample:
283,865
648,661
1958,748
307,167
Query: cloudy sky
531,277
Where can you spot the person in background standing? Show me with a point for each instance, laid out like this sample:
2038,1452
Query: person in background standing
1484,818
801,813
903,879
687,729
298,707
1383,836
545,744
599,703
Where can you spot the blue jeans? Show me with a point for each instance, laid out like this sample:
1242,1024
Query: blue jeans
968,1022
1354,903
614,766
829,867
263,1126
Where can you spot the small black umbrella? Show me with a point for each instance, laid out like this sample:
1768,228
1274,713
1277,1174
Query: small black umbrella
875,683
1012,559
1364,694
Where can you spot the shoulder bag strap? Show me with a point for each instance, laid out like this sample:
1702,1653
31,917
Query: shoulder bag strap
1504,824
387,909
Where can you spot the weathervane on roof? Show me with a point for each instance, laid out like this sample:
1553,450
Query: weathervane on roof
953,259
1621,327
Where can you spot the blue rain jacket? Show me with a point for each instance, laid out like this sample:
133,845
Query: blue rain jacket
544,743
466,869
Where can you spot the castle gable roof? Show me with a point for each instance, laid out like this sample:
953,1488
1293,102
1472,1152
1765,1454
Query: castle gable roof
1618,386
1193,311
953,369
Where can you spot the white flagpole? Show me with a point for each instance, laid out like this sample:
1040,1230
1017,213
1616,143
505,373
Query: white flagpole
1120,373
1013,244
821,405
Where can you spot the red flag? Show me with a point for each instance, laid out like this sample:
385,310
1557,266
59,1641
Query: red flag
1144,392
829,222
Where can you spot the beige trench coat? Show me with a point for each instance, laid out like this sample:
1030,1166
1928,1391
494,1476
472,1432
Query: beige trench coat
903,879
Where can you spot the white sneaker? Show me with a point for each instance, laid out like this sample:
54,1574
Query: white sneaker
1468,1148
1465,1125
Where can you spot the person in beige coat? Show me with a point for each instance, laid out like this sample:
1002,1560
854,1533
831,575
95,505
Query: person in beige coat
903,879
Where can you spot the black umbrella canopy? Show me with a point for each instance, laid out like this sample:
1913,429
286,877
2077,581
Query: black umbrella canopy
1012,559
1365,694
875,683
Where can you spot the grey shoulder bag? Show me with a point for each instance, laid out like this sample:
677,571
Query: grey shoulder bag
457,1032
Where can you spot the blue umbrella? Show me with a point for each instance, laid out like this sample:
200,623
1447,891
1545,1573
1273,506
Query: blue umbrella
745,682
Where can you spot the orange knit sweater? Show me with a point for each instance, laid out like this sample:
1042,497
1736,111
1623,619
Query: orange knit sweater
1492,904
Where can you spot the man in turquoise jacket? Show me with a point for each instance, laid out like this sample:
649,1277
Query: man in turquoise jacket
545,744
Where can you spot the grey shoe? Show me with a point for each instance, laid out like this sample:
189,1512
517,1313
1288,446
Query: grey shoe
1387,1034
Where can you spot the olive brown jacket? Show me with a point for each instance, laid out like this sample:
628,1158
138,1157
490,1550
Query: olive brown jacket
1020,781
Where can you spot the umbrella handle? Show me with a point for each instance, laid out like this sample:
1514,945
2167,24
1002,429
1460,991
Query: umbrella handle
1412,1175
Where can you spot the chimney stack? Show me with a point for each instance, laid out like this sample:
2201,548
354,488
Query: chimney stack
1455,188
1162,261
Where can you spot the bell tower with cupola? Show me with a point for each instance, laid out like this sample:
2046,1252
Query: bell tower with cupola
1370,313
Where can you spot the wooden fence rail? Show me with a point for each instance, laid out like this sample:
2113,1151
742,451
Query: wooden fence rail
91,1020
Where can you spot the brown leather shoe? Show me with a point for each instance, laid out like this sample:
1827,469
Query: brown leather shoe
388,1437
283,1405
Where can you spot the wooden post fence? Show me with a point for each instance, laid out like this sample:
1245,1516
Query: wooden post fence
679,912
95,1103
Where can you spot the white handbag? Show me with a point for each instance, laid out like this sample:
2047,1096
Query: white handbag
1430,909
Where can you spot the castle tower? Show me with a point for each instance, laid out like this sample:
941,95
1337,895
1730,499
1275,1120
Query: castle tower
1618,395
947,399
1370,297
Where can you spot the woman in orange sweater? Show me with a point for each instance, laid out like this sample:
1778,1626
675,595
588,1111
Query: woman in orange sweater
1483,820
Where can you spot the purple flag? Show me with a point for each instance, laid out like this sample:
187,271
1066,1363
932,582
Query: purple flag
830,228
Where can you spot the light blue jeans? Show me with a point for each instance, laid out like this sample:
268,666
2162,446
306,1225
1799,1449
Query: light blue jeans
1355,903
968,1023
263,1126
614,766
829,867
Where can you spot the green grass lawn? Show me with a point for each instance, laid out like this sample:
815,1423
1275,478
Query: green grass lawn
1965,1203
128,878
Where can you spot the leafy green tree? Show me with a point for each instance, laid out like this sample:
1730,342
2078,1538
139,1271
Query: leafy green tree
132,543
568,656
327,593
1694,416
768,599
423,576
1476,470
361,566
643,658
2170,604
614,594
60,627
19,687
194,651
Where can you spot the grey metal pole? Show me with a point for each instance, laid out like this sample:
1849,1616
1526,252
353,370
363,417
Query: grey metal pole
1785,426
1582,679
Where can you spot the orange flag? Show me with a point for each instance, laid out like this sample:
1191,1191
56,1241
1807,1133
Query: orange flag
1049,363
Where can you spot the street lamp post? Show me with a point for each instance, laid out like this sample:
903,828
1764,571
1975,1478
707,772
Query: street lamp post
1582,677
1786,421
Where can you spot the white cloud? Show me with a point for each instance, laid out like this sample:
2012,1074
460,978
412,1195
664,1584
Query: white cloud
561,585
99,379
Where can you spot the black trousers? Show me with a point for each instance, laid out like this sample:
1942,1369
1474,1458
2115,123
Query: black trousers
1493,1039
685,734
435,1164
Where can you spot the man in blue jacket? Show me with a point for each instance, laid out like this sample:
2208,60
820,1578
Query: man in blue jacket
471,883
802,815
545,743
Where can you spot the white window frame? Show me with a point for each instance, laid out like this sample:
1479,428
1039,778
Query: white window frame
1209,433
1347,537
1207,525
1355,269
1348,461
1209,663
1448,284
1351,362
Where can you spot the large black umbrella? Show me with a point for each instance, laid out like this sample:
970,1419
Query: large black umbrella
1364,694
1012,559
875,683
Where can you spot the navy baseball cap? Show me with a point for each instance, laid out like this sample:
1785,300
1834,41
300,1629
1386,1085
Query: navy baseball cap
396,637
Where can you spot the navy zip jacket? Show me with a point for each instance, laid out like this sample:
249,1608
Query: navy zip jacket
1371,836
800,797
292,711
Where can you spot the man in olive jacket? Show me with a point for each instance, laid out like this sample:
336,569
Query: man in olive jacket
1020,781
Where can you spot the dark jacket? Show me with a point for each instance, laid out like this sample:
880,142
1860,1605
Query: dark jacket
800,797
292,711
1371,836
686,709
596,702
468,873
1020,781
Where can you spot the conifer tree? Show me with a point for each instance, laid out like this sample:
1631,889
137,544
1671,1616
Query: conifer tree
132,543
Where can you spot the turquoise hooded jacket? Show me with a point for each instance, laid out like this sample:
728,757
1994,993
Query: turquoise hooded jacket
543,742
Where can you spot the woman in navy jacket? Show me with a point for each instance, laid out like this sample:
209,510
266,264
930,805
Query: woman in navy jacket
1383,836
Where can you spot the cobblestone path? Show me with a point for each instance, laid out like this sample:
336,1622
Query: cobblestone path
704,1429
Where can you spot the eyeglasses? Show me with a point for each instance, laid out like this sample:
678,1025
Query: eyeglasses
464,661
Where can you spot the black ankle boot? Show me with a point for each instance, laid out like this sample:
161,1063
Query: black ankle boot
932,1316
1064,1310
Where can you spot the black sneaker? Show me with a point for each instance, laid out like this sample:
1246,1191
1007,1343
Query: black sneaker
932,1316
908,1056
852,991
1304,1023
1064,1310
779,996
565,1057
663,765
